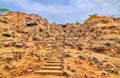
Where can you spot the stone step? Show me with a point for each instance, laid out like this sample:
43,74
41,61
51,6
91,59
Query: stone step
58,58
52,67
53,64
55,55
50,72
50,61
58,54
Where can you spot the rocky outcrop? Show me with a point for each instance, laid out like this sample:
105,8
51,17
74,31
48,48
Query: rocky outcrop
17,29
27,40
103,38
100,37
56,29
98,19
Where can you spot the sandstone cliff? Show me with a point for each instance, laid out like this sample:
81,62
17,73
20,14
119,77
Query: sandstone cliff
21,30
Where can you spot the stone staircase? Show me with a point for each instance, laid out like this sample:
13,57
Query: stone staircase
52,66
54,63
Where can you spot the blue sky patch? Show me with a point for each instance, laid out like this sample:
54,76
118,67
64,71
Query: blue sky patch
64,11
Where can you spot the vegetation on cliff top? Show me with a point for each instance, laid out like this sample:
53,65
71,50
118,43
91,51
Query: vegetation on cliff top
4,10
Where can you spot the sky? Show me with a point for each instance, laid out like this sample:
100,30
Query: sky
64,11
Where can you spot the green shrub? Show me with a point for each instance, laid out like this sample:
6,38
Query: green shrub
4,10
92,17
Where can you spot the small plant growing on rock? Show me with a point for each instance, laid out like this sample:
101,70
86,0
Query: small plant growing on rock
93,16
4,10
77,23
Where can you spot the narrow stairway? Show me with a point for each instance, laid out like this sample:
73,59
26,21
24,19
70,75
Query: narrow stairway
54,64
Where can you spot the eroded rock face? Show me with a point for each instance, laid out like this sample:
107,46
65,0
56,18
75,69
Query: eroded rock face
56,29
101,38
26,36
21,28
100,19
72,29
